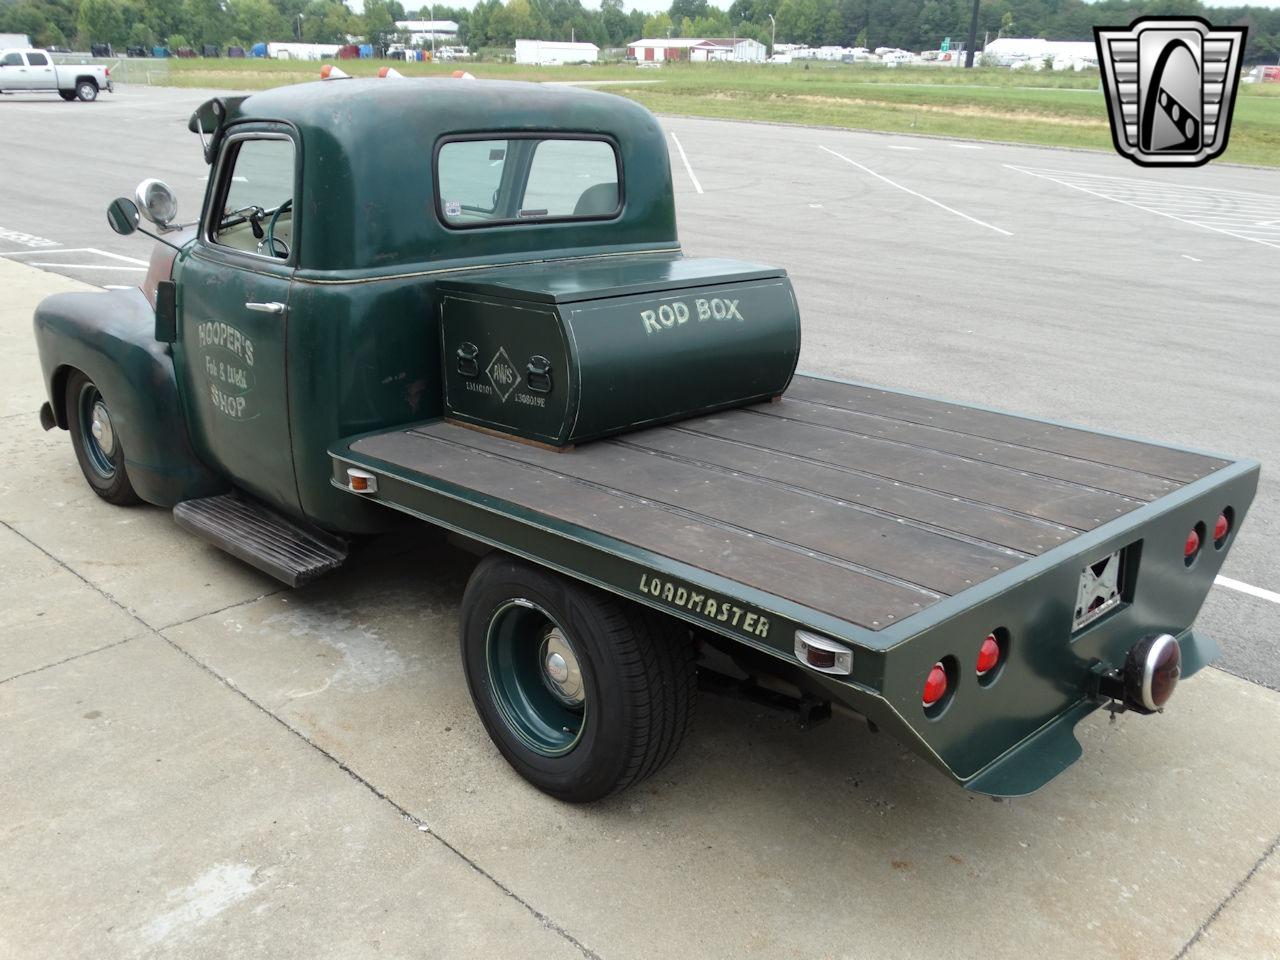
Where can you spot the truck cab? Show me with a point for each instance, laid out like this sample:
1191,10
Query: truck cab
465,303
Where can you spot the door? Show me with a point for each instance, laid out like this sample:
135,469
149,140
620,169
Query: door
13,72
233,299
40,72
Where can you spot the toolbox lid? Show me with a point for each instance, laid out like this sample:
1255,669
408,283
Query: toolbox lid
615,277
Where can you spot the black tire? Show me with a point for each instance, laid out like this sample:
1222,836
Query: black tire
102,466
637,668
68,95
86,90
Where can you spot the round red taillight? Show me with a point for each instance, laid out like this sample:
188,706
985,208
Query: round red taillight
935,685
1221,527
988,655
1192,545
1151,672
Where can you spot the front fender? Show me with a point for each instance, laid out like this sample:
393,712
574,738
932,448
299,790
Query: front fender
110,338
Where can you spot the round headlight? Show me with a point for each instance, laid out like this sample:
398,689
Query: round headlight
156,202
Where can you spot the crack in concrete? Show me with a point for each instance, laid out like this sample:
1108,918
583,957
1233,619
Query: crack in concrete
1226,901
58,663
421,826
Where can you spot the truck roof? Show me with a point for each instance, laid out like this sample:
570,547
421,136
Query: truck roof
368,147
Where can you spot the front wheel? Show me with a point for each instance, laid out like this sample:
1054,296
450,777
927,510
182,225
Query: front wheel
87,91
583,694
97,447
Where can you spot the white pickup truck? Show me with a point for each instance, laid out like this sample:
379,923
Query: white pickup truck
33,71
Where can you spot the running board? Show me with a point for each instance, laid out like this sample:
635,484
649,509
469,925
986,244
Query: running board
261,537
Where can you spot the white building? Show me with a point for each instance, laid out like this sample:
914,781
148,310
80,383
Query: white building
737,49
697,49
423,32
553,53
11,41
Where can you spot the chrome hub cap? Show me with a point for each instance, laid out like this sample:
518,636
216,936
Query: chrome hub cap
560,671
100,427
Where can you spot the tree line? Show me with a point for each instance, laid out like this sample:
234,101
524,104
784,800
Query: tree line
908,24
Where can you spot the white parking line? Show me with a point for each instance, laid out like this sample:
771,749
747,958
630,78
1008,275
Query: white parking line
936,203
1248,588
1191,258
61,250
897,146
966,146
696,185
88,266
116,256
1119,184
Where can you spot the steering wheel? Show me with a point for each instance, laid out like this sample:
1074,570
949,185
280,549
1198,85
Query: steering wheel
272,240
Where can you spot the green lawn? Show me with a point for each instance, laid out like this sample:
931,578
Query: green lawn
1054,109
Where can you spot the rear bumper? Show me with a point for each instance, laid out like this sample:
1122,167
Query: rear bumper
1039,758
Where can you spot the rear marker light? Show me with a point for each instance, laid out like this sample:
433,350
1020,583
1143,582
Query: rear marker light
823,655
1193,544
988,655
361,481
935,686
1221,527
1191,549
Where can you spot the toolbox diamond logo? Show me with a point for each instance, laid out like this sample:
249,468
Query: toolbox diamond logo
502,374
1170,84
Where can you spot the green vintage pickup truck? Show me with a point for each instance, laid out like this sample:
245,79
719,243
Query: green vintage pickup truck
464,303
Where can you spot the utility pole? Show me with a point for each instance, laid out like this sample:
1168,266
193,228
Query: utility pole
773,33
973,37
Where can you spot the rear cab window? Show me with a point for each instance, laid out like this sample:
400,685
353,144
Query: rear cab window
503,179
37,60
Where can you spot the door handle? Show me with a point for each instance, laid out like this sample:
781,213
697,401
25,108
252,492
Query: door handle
277,308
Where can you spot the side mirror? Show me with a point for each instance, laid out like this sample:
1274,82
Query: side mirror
122,216
155,201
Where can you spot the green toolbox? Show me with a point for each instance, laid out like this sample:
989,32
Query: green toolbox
560,356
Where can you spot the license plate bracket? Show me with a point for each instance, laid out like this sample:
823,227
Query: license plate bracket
1104,586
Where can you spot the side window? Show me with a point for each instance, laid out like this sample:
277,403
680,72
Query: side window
12,60
37,60
571,178
256,198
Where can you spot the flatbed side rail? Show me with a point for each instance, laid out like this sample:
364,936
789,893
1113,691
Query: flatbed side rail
760,620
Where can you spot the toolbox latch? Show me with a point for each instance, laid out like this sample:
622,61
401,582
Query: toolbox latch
538,375
468,362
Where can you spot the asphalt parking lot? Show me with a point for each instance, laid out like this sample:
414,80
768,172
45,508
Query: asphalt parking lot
202,764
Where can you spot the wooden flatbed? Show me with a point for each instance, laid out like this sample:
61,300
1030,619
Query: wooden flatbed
865,504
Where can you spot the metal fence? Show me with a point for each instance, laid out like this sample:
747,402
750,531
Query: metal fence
141,70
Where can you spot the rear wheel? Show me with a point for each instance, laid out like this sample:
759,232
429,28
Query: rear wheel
87,90
97,447
582,693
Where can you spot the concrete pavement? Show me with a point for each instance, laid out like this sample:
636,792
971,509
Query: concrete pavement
199,764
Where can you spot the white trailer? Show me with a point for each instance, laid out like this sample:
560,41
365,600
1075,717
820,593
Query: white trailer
548,53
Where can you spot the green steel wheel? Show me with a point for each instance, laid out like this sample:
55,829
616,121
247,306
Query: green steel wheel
582,693
97,446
